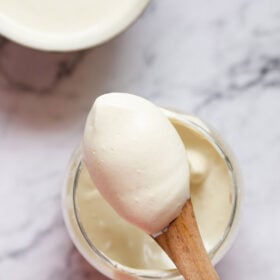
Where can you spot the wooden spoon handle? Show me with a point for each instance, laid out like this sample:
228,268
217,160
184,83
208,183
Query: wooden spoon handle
183,244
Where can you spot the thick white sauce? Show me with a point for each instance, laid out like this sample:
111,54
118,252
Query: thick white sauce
211,193
66,16
137,160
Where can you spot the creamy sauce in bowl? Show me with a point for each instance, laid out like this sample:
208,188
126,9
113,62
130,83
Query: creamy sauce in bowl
66,24
212,198
120,250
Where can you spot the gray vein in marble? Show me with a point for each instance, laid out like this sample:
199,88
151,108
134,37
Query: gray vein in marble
242,10
4,232
264,73
65,69
209,99
261,32
36,239
149,58
264,70
65,66
19,252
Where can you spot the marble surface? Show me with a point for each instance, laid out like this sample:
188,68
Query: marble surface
217,59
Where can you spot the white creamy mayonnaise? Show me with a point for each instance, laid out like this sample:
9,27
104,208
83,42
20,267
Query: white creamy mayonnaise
212,194
137,160
68,16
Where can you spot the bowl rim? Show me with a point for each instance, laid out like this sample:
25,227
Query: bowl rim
47,41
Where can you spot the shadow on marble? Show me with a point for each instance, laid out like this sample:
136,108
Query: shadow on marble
29,70
81,269
51,90
228,263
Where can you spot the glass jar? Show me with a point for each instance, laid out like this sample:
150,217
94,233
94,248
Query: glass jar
115,270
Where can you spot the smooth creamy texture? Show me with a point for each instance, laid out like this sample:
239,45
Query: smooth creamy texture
137,160
211,193
60,16
113,235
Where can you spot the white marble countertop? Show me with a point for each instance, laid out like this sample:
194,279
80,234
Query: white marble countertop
217,59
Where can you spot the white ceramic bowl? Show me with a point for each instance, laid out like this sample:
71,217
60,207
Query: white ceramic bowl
34,37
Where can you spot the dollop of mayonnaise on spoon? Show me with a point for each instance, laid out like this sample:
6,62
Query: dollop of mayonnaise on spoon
136,160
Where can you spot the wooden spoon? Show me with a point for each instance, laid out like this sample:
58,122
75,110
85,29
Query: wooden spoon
183,244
